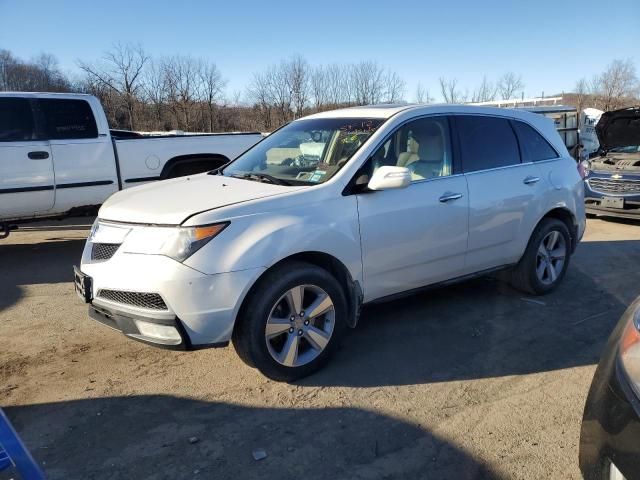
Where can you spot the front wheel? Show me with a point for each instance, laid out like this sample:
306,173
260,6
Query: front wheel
291,322
545,261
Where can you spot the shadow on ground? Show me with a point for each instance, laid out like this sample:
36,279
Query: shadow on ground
35,263
149,437
483,328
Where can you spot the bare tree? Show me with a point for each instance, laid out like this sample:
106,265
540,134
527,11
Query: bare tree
296,74
422,95
486,91
121,70
509,85
259,92
318,83
155,91
183,88
394,87
368,82
581,94
41,74
450,91
617,85
212,87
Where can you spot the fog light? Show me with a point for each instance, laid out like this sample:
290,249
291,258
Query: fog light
164,333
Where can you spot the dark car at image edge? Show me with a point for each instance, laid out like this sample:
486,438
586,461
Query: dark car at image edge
610,436
612,177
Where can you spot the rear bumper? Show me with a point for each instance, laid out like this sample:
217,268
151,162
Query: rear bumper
611,424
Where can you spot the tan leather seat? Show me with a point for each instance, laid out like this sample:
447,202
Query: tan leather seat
411,155
430,162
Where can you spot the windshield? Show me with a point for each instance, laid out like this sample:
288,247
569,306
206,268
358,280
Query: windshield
305,151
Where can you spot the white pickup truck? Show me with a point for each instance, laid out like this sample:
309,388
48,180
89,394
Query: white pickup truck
58,157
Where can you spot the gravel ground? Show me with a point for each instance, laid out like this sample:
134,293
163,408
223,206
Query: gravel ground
465,382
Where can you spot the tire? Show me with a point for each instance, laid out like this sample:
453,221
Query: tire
284,346
526,274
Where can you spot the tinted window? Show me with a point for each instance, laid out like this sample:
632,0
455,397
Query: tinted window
534,146
68,119
16,120
422,146
486,142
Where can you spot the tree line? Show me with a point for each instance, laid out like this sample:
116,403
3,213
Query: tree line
182,92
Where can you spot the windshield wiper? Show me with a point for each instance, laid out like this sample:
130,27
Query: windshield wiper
262,177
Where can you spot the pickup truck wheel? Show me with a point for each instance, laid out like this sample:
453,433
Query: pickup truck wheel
545,261
292,321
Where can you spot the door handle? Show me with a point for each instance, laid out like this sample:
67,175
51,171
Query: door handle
38,155
530,180
448,196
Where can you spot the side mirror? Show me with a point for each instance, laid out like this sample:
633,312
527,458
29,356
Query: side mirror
387,177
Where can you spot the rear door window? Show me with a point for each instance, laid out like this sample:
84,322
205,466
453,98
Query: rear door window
533,145
16,120
67,119
486,142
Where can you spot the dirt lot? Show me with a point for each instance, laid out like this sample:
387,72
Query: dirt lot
470,381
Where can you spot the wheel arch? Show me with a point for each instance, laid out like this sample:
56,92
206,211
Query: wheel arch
568,218
351,287
216,160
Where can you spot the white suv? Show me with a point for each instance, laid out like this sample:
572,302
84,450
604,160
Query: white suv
279,250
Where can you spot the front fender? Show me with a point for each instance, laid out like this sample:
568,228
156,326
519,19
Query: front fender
263,239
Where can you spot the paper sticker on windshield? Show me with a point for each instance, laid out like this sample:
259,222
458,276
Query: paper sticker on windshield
317,176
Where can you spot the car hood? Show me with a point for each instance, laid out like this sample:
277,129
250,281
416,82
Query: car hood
619,128
171,202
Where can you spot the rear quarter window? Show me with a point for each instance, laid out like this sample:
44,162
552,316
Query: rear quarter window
67,119
16,120
486,142
533,145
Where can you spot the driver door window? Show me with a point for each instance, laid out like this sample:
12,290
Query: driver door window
423,146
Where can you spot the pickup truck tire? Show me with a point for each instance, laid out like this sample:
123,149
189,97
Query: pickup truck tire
545,261
286,345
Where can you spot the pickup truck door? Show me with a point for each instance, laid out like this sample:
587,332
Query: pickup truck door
26,166
83,157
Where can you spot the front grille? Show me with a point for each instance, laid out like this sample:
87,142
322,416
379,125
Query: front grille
103,251
152,301
619,187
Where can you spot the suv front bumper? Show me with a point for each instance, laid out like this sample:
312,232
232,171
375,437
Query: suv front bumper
197,311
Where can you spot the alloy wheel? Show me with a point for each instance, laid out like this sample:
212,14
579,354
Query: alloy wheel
550,257
300,325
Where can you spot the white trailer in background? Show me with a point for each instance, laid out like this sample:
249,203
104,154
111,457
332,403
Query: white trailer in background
589,117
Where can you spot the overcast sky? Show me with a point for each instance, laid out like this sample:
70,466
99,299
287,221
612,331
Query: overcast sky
550,43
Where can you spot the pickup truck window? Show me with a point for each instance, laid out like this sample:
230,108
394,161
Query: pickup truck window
67,119
16,120
305,151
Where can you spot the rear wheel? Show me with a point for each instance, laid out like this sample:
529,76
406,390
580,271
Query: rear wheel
292,321
545,260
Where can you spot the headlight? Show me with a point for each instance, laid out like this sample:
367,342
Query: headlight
185,241
584,167
630,350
